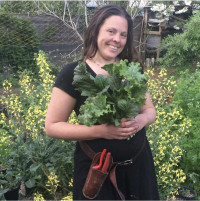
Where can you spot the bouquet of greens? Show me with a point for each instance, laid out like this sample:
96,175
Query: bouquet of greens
110,98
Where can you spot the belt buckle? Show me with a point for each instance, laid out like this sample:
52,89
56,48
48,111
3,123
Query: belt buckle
126,162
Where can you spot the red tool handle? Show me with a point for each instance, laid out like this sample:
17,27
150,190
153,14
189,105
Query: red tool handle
106,163
100,161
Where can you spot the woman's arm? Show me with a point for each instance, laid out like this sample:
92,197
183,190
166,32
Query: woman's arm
61,106
148,111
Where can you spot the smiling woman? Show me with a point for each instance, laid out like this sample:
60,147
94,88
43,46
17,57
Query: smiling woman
111,39
108,40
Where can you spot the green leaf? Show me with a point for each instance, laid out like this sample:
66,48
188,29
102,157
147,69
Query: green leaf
94,108
34,167
128,109
3,182
84,81
30,183
101,82
2,192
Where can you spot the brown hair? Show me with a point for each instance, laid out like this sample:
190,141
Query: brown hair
91,34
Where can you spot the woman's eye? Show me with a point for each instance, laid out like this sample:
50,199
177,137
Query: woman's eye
124,35
110,31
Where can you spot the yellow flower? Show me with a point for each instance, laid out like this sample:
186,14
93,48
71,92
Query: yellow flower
38,197
68,197
52,182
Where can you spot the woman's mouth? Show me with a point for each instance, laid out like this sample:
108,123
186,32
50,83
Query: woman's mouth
113,47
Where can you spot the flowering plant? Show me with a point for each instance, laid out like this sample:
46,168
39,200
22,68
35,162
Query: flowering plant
166,133
38,161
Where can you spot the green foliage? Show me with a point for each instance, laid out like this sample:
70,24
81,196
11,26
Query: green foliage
187,97
22,7
35,160
112,97
18,44
120,3
166,134
5,139
183,49
49,32
42,163
187,94
46,164
25,7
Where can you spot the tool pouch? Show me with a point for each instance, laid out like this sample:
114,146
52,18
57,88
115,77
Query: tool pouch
95,179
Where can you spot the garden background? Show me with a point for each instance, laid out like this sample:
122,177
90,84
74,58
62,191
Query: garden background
40,168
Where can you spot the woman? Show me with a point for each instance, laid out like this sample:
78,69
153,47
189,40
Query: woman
108,39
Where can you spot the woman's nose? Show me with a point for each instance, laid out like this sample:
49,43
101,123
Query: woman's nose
117,38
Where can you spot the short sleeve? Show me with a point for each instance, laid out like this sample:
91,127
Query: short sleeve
65,78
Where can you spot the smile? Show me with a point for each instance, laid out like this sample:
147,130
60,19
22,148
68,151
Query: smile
113,47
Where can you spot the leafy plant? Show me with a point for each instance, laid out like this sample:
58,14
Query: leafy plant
187,97
186,192
19,7
161,86
166,134
183,49
33,162
110,98
4,140
49,32
30,156
18,43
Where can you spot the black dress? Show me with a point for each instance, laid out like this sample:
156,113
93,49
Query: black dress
137,181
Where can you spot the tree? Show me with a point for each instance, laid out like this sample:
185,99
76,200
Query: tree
183,50
18,44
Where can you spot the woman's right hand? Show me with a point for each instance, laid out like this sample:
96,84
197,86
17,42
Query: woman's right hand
108,131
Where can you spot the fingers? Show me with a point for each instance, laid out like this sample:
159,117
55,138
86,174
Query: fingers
125,133
125,123
128,128
121,133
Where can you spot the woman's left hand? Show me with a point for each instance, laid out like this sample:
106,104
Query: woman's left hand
137,123
146,117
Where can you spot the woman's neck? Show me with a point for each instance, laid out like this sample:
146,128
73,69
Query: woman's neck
99,61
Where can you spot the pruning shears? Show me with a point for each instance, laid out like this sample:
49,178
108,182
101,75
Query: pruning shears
103,166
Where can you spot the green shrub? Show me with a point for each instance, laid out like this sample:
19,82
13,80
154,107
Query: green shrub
183,49
49,32
187,97
22,7
18,43
27,153
166,133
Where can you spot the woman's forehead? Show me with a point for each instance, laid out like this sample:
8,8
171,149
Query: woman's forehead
116,21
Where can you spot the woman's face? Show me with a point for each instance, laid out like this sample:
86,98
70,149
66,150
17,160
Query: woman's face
112,37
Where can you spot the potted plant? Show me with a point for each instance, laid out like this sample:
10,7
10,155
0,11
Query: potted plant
186,193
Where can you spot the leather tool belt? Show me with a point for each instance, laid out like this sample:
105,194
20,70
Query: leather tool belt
98,171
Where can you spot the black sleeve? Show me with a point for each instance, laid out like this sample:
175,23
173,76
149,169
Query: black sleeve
65,79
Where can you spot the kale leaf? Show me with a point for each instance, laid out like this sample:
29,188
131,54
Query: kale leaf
110,98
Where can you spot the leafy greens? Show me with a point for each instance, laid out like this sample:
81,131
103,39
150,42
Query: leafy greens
110,98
